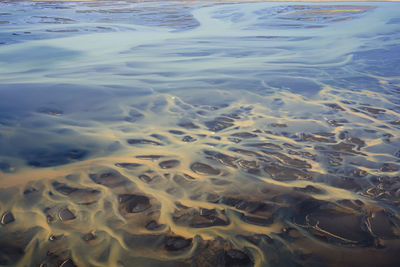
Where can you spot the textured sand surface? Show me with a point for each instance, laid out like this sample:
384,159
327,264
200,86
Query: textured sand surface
173,134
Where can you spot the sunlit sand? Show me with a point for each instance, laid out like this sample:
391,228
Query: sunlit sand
196,133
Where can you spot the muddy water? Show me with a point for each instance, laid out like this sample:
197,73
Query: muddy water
199,134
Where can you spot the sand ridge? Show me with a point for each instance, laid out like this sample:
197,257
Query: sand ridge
216,135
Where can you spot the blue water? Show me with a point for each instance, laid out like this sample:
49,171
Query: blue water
294,108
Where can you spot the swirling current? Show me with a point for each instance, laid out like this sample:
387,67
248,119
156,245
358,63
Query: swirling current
199,133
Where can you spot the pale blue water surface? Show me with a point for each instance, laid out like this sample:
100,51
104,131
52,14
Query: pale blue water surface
198,133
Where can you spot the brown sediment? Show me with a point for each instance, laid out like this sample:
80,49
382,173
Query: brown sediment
143,142
128,165
134,203
7,218
168,164
335,106
188,139
219,124
109,178
281,193
202,168
244,135
395,122
222,158
66,215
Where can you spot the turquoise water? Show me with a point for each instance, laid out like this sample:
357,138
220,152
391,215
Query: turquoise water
199,133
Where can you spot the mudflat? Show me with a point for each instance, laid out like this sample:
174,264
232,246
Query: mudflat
189,133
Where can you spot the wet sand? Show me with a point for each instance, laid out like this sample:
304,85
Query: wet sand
263,134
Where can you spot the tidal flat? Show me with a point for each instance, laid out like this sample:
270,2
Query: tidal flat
199,133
